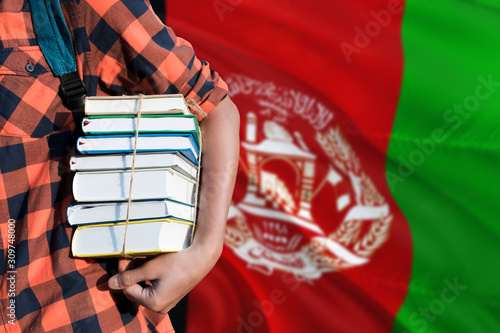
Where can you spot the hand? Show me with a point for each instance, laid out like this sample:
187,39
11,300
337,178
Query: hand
171,277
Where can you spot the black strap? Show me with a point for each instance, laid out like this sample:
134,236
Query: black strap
73,93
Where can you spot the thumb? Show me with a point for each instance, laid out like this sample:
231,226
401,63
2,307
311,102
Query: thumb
126,279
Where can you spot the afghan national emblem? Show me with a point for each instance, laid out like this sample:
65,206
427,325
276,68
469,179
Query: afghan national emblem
305,210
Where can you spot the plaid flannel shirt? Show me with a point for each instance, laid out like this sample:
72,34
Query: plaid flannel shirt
122,48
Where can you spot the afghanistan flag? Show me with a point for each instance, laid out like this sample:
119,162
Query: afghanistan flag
367,194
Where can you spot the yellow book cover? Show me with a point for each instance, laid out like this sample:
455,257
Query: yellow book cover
144,238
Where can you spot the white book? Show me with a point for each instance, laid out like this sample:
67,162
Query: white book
109,144
148,184
142,161
123,105
106,212
143,238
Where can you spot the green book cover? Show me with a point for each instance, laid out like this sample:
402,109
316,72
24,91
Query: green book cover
148,124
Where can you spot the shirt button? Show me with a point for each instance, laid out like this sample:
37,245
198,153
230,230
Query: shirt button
29,68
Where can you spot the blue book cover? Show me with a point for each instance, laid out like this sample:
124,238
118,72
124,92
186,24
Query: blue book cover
184,143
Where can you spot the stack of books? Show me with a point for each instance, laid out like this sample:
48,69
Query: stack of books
162,206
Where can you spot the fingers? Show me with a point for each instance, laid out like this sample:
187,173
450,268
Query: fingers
123,264
171,275
148,297
129,277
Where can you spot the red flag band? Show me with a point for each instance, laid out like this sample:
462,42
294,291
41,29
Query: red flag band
333,134
313,234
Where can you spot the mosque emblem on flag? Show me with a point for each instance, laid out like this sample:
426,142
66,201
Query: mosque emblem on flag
308,207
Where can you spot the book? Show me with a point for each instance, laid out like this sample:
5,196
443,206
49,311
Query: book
172,160
148,184
106,144
161,210
147,124
123,105
106,212
144,238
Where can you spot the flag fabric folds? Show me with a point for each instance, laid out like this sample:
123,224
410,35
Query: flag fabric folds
367,187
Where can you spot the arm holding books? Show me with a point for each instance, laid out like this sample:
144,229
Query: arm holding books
175,274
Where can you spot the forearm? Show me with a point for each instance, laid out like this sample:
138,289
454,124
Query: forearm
220,131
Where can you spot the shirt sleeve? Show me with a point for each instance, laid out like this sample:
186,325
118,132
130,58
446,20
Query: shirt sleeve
133,51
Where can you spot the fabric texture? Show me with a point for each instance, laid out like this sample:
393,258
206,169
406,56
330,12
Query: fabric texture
122,48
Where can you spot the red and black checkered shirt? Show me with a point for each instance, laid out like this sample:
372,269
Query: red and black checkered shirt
122,48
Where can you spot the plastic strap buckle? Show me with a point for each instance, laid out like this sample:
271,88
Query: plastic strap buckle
73,91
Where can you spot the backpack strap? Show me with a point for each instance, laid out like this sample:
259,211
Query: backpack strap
54,39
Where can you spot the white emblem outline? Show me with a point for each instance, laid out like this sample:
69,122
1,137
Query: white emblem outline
340,249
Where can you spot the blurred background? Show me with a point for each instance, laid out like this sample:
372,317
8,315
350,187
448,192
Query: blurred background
367,192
